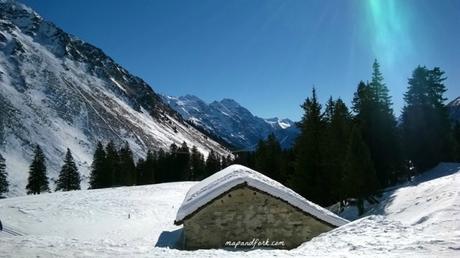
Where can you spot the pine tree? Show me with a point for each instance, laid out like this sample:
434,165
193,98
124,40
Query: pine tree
113,175
268,157
37,181
307,178
173,164
126,167
287,166
162,168
184,165
140,171
197,165
69,178
381,92
384,143
229,161
148,168
359,178
338,129
3,177
425,123
212,163
374,114
245,158
98,177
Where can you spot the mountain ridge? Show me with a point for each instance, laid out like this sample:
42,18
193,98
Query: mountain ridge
233,122
454,109
59,91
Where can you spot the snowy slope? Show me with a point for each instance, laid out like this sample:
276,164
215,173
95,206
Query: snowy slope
417,220
232,122
61,92
234,175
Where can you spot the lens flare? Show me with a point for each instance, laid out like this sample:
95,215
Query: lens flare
389,31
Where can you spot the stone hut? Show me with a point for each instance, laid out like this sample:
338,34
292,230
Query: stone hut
240,208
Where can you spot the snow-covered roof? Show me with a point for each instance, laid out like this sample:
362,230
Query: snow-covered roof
235,175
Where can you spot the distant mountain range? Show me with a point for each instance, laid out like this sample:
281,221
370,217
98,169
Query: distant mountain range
232,122
454,109
61,92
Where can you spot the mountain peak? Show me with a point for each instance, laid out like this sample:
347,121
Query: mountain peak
233,122
230,103
454,103
282,123
59,92
454,109
14,6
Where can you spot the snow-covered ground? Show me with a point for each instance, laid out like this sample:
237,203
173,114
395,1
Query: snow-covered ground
421,219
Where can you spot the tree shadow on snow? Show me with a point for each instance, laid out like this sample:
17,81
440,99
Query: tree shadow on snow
171,239
388,195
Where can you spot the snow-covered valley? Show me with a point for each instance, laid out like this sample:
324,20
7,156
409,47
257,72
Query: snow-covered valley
421,219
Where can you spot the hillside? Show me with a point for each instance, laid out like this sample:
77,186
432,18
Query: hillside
61,92
419,219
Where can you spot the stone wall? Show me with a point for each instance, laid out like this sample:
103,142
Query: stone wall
248,215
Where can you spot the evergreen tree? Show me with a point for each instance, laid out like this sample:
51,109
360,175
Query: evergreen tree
126,167
268,157
146,174
184,165
381,92
69,178
197,165
162,167
338,129
245,158
425,122
385,144
359,174
173,164
372,105
307,179
99,176
287,166
38,181
228,161
114,177
212,163
140,171
3,177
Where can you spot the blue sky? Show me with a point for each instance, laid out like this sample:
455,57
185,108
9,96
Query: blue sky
267,55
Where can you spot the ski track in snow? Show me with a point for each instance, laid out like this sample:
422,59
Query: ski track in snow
421,219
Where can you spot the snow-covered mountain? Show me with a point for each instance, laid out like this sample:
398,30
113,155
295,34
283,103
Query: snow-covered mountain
60,92
454,109
232,122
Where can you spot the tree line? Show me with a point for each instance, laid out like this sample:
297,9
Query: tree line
181,163
116,167
352,152
342,152
68,179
